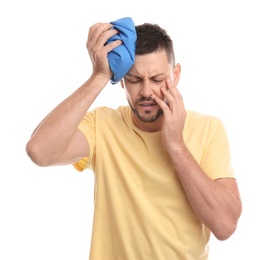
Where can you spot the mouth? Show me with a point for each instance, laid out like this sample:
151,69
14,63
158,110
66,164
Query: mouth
147,104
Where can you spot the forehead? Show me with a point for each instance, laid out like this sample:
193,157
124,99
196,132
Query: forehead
152,63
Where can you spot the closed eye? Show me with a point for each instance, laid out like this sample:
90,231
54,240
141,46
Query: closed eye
157,80
133,81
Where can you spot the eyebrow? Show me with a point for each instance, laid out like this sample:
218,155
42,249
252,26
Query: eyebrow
129,75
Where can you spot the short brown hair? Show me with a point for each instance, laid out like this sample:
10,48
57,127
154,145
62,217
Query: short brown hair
152,38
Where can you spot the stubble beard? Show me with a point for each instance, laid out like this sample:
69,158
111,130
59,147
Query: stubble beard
148,117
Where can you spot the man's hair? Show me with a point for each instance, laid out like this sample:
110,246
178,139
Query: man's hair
152,38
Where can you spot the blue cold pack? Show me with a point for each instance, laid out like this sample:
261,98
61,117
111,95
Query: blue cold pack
121,59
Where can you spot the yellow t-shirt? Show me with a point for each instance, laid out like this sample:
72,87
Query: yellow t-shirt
141,211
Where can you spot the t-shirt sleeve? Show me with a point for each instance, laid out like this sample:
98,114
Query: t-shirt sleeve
217,163
87,127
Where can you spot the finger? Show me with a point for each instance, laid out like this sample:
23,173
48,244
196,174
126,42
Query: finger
169,97
95,31
171,86
163,104
112,45
105,36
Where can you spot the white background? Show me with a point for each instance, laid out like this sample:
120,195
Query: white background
46,213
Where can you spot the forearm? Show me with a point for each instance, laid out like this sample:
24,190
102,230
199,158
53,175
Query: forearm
214,204
52,136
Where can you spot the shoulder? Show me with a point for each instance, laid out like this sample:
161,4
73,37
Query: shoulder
108,115
203,124
200,119
110,112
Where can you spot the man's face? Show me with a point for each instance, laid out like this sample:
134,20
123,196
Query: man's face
144,81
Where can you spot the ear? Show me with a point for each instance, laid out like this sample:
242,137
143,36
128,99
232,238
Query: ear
122,83
177,73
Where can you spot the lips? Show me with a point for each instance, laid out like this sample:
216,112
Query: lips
147,104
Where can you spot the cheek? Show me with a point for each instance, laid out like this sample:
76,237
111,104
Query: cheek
129,96
158,92
131,92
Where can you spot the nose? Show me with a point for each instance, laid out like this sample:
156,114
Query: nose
146,89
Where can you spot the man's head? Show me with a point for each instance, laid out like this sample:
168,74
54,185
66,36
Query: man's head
154,64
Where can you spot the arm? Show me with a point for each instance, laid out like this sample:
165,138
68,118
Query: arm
217,203
56,140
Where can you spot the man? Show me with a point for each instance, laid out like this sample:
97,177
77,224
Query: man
163,175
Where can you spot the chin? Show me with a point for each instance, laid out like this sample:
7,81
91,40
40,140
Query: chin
149,117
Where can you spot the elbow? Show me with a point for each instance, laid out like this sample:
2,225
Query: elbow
225,228
224,232
34,152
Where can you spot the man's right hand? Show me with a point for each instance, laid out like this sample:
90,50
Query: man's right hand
98,50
